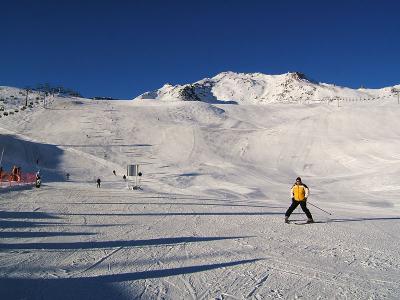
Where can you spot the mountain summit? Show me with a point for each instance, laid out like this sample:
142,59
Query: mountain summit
258,88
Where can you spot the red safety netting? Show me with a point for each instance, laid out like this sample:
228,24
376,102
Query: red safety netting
17,179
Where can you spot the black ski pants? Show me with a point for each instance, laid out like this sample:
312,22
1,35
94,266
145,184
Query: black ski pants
303,205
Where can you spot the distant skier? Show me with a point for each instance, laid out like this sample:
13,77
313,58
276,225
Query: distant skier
299,193
19,174
114,173
67,175
98,182
124,178
38,180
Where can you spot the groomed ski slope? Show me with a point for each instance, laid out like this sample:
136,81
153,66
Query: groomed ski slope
208,222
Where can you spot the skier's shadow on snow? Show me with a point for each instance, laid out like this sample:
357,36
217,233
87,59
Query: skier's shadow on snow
31,234
114,244
26,224
26,215
97,287
348,220
15,219
358,220
24,220
173,214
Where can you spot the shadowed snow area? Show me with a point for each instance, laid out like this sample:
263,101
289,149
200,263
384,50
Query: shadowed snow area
207,222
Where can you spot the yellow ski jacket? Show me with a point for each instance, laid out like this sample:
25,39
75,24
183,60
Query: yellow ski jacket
299,192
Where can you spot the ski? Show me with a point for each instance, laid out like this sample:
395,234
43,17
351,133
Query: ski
306,223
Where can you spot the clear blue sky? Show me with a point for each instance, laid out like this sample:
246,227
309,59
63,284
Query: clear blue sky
124,48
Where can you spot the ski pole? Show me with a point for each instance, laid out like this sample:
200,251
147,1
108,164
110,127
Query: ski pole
319,208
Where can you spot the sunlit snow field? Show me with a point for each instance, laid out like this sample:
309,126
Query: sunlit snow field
208,221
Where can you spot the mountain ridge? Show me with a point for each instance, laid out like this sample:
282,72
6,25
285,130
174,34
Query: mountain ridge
258,88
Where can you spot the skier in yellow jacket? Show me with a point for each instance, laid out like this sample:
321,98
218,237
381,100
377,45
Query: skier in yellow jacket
299,193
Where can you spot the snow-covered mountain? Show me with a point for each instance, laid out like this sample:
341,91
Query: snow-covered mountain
207,222
258,88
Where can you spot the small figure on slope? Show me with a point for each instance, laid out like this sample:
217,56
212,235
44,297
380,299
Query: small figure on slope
38,180
299,193
98,182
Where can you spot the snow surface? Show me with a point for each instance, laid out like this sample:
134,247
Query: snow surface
208,221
